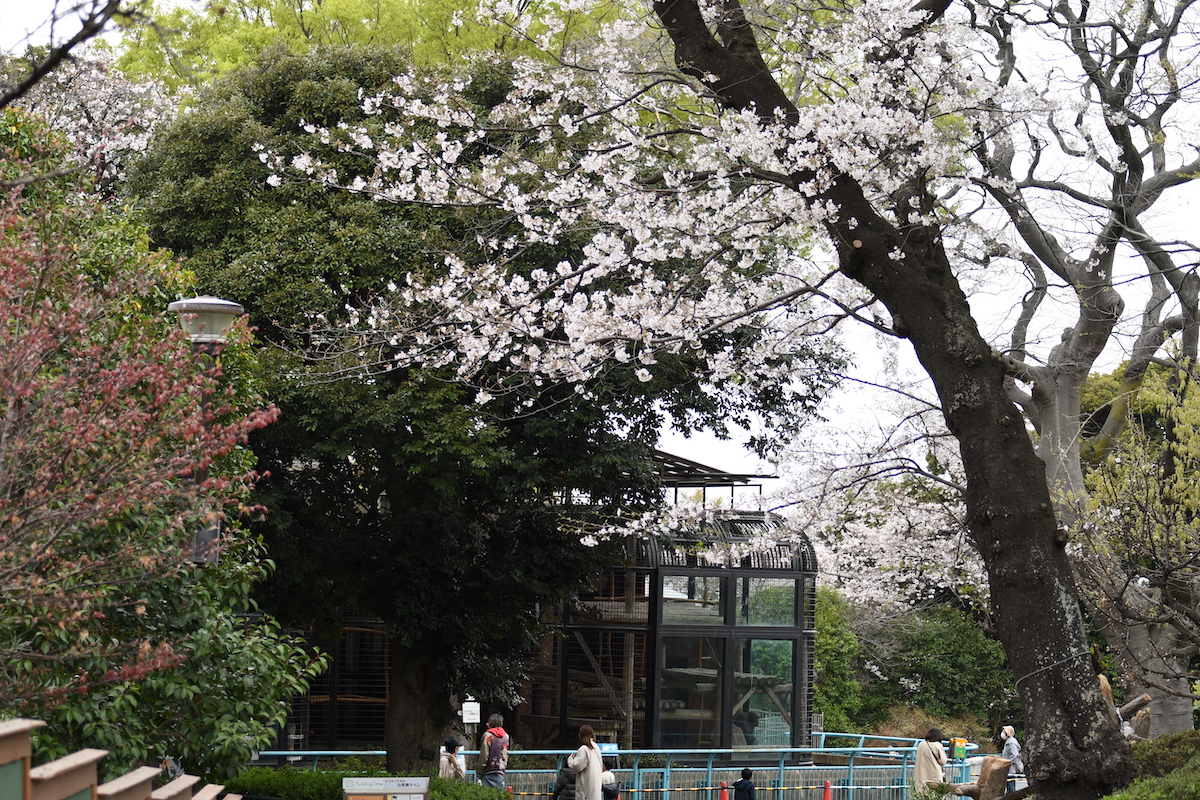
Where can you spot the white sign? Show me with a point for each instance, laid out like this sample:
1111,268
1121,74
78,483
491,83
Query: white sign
470,711
389,788
385,784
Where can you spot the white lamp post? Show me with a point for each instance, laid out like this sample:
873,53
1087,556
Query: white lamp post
206,320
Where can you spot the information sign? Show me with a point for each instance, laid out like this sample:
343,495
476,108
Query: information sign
385,788
470,711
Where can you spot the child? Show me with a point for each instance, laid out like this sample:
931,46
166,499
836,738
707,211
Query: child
744,789
610,787
450,768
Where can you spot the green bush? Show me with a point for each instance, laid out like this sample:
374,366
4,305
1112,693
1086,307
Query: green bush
296,784
1165,754
290,784
1182,784
457,790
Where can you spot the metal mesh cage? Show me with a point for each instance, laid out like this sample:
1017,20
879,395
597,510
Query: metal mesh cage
742,540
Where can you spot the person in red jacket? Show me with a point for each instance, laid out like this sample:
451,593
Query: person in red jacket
493,753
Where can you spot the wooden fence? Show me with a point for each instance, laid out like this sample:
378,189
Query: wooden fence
74,777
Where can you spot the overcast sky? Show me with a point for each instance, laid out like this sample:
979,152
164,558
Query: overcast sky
21,18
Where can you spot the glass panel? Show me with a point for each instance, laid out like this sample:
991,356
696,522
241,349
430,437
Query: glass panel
766,601
690,707
690,600
762,702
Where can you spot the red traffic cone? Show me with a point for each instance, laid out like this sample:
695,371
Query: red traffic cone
724,791
828,792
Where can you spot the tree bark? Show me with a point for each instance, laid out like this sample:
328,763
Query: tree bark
416,711
1144,654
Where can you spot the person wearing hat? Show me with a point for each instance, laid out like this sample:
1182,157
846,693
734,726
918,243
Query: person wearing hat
1012,751
450,768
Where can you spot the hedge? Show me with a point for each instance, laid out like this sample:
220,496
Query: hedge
1181,784
296,784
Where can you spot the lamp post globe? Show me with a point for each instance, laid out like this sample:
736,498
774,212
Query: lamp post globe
206,319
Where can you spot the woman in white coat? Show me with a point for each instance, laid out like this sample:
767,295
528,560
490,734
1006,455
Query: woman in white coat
588,766
930,758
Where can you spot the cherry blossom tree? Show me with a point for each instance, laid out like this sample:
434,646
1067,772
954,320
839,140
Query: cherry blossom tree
933,149
107,117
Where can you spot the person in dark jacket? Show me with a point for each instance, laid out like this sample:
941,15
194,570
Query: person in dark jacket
744,789
564,787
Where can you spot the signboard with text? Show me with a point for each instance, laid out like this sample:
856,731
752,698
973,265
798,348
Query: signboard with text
385,788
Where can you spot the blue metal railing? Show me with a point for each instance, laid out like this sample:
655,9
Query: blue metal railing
699,774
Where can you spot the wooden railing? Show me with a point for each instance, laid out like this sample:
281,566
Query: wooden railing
74,777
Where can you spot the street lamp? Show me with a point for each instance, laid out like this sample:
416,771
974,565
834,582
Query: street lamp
206,320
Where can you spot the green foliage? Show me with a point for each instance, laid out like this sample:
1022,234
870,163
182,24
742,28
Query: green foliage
1165,754
295,784
935,667
188,45
937,791
1181,784
947,666
838,694
226,699
458,790
107,632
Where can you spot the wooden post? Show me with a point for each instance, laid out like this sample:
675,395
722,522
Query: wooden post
993,776
16,753
67,776
136,785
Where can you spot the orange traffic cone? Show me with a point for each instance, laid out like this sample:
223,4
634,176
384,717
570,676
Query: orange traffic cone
724,791
828,792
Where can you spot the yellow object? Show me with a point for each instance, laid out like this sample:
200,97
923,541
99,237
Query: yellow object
958,748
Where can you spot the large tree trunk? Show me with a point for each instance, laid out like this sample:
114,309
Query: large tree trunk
1075,746
1152,657
416,713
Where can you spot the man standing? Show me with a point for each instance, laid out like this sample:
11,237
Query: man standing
493,753
1012,751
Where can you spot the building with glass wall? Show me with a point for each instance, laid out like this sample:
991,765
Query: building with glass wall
703,640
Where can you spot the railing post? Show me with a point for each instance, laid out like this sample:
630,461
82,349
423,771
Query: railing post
136,785
65,777
16,753
850,771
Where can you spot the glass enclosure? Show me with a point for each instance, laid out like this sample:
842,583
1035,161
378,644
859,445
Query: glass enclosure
684,646
764,683
766,601
690,704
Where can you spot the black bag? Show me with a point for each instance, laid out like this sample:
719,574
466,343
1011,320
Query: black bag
610,791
